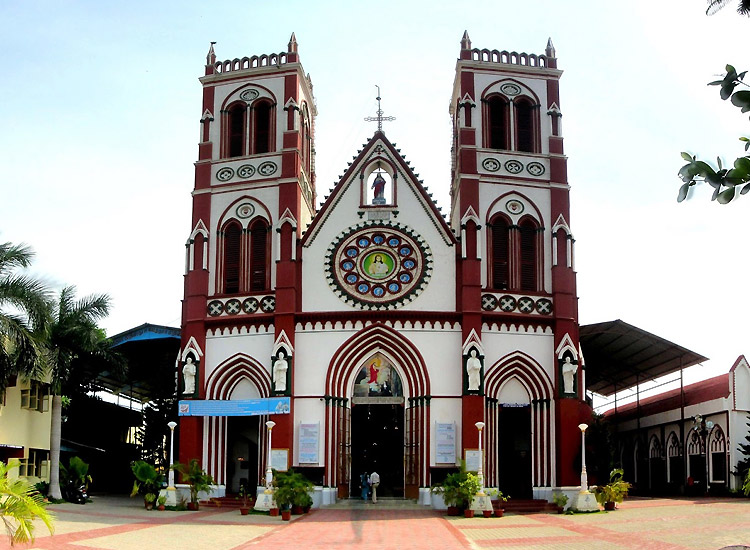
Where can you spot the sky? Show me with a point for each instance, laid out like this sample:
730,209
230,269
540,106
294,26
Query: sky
100,106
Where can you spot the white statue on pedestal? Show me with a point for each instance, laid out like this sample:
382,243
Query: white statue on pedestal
474,369
188,377
280,367
568,373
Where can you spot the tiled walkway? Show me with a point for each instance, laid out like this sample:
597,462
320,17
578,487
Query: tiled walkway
117,523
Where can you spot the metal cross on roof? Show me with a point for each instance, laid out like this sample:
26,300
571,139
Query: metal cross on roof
380,118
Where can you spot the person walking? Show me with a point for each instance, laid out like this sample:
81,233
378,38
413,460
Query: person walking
374,482
364,484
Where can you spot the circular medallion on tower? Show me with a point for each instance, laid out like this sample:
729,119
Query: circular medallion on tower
245,210
249,95
378,265
510,89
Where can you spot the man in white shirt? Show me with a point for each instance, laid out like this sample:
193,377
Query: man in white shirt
374,482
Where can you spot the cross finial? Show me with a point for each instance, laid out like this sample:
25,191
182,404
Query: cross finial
380,118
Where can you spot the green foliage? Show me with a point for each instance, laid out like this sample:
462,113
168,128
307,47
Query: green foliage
149,497
726,182
560,499
162,500
20,504
196,477
76,473
292,489
746,484
148,480
615,491
459,488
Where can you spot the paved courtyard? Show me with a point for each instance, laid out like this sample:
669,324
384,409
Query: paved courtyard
117,523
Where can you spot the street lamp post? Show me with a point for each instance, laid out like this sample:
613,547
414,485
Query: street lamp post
171,491
584,475
703,428
269,471
480,472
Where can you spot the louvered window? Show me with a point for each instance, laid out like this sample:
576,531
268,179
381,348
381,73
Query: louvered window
528,255
500,254
258,256
232,239
525,137
262,136
237,130
498,127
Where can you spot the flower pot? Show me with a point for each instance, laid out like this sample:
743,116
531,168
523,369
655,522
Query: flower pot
193,506
452,510
498,512
161,508
305,509
244,510
286,515
560,509
468,513
297,510
274,511
609,506
487,513
149,506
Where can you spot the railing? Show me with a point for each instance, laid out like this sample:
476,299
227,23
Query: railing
253,62
511,58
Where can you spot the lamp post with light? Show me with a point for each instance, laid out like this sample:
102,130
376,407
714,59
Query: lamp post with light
269,471
703,428
586,501
171,491
480,472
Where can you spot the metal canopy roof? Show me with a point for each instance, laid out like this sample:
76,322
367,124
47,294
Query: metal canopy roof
619,356
150,352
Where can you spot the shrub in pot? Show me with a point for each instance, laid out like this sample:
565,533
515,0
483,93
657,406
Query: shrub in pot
197,478
613,492
560,500
148,480
292,489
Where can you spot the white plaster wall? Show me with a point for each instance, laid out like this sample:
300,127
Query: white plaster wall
742,387
738,433
221,348
536,195
310,411
538,346
444,411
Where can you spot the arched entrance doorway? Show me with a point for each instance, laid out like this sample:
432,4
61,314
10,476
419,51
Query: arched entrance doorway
408,413
377,435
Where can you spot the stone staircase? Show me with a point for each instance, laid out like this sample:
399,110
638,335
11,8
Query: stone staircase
529,506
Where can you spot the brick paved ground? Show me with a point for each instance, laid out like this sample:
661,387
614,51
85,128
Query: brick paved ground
115,523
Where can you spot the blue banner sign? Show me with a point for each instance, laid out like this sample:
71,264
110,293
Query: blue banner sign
240,407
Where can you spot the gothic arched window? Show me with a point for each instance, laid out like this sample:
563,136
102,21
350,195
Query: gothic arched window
498,135
232,257
236,135
261,142
259,272
500,256
524,112
528,231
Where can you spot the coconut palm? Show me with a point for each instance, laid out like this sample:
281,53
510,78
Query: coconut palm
77,350
19,505
743,6
23,310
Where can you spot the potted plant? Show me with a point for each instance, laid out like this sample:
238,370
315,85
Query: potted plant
244,498
458,490
292,489
467,490
197,478
498,499
147,480
74,480
161,503
149,499
614,492
560,500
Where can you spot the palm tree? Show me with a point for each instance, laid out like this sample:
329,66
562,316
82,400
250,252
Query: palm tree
23,310
77,350
19,505
743,6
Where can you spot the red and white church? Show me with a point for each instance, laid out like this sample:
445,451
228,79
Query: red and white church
342,309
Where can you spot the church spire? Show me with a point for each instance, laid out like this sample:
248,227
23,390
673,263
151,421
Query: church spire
211,56
292,44
550,51
465,46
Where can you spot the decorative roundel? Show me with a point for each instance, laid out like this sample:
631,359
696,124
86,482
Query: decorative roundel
507,303
225,174
267,168
491,165
514,206
535,168
489,302
233,306
514,167
215,308
249,95
245,210
544,306
250,305
510,89
526,304
377,264
246,171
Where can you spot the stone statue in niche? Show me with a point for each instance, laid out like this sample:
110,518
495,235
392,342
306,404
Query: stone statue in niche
378,187
474,371
188,376
280,366
569,371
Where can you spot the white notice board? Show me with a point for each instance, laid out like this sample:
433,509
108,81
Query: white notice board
308,437
472,458
280,459
445,449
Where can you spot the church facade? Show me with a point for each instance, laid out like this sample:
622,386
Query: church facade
339,314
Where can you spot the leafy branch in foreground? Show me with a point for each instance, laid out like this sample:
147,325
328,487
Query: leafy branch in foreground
726,182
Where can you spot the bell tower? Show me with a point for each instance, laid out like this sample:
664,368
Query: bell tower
254,192
510,205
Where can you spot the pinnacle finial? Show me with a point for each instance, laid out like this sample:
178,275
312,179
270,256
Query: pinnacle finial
550,51
292,44
466,41
211,56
